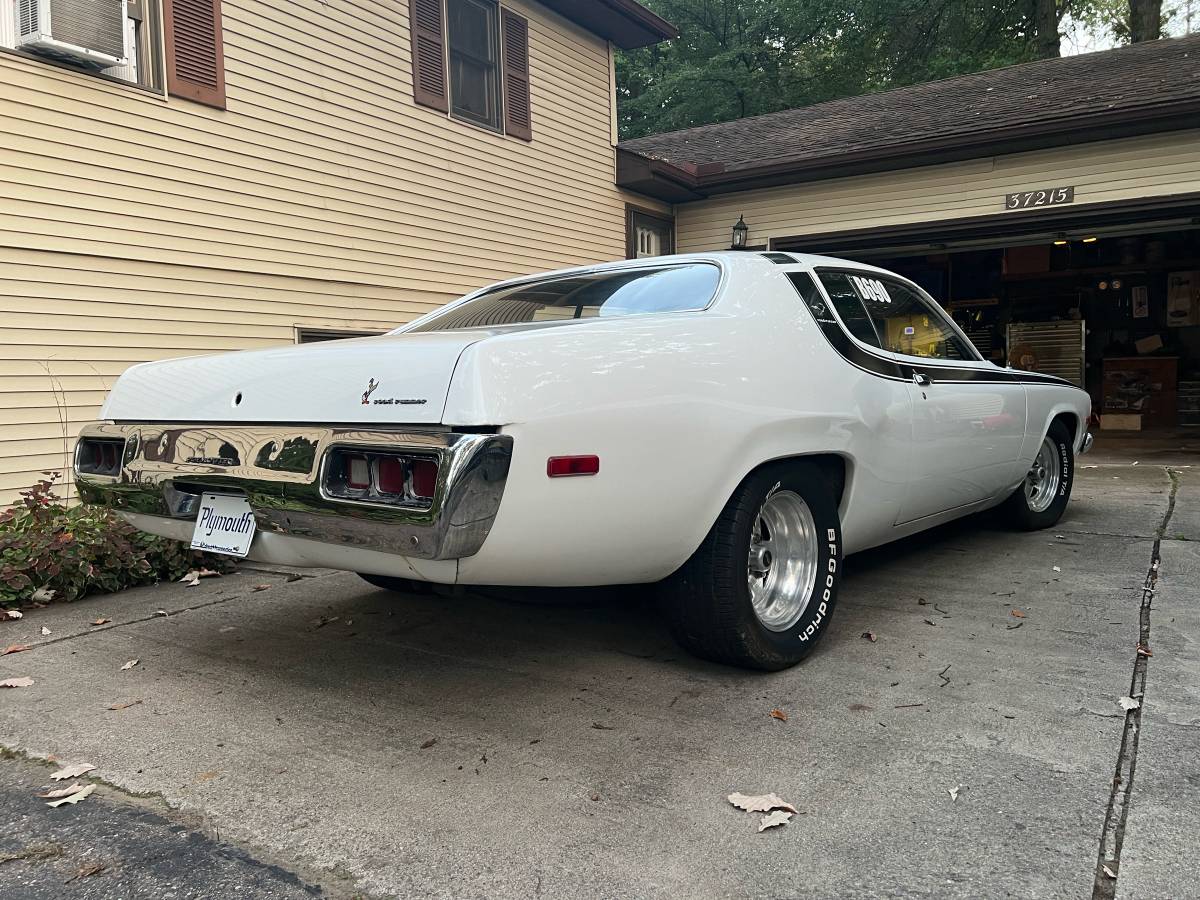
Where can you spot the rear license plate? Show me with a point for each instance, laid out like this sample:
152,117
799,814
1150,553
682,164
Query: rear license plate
225,524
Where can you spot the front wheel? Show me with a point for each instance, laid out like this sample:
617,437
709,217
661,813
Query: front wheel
1042,498
760,589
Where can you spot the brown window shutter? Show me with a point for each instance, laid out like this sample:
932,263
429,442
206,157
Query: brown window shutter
428,53
518,120
195,50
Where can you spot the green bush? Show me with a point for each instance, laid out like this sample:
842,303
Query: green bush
79,550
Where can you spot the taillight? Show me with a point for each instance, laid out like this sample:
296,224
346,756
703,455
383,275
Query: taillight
374,476
391,475
358,472
99,456
562,466
424,477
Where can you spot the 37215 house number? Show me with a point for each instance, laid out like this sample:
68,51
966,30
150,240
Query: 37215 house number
1043,197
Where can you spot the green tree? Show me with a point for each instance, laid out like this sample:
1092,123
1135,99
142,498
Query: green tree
737,58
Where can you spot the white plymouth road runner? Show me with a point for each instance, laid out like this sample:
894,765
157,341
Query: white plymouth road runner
728,425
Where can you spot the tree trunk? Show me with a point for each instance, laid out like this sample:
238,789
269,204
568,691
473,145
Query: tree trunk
1045,23
1145,20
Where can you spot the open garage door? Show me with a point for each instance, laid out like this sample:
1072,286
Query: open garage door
1107,295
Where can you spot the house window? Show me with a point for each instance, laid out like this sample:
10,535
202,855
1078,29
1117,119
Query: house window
129,30
648,234
473,41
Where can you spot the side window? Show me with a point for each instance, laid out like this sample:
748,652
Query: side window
905,322
846,300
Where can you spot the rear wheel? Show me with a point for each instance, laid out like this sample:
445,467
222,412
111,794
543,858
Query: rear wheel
761,588
401,585
1042,498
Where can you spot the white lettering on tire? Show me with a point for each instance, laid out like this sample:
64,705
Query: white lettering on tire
827,594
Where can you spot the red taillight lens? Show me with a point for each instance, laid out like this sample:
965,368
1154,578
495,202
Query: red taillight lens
424,477
562,466
391,475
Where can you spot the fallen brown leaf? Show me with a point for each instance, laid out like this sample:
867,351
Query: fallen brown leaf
191,579
429,743
42,595
101,621
16,683
779,817
15,648
72,771
759,802
595,797
1144,650
73,788
117,706
1017,614
72,799
779,714
322,621
129,665
870,636
860,707
206,776
11,614
262,587
46,631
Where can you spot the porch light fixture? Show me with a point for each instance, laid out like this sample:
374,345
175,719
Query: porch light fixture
1060,240
740,231
1090,239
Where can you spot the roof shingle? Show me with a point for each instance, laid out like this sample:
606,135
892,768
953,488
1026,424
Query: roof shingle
1040,94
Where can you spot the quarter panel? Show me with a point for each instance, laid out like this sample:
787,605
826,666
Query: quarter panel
679,408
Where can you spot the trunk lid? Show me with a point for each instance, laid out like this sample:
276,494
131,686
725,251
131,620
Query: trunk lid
402,378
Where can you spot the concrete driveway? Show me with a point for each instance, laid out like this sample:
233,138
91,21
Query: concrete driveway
479,747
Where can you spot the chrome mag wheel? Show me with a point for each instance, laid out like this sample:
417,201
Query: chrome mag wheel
1041,484
782,565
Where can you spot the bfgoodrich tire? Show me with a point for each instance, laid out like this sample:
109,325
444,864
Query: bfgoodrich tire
761,588
1042,497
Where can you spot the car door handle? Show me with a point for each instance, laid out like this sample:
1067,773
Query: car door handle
921,379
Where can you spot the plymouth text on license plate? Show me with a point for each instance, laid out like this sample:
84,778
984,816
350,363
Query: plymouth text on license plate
225,525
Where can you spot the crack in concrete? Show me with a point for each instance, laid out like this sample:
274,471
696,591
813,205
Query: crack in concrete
1112,835
109,626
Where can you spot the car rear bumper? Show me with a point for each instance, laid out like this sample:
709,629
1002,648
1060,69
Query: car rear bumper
163,470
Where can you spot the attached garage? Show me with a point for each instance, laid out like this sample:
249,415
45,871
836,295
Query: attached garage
1053,208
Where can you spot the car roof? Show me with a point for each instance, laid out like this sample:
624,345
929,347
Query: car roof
730,258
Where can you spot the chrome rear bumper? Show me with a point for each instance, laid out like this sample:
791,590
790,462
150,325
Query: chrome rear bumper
166,468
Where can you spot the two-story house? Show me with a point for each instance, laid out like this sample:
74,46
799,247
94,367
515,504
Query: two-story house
189,176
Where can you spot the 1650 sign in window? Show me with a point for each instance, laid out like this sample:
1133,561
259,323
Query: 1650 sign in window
1043,197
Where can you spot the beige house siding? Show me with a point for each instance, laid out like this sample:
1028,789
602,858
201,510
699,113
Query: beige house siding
1130,168
136,228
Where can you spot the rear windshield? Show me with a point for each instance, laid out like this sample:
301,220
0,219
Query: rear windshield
605,295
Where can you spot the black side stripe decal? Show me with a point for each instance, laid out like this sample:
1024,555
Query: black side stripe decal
887,368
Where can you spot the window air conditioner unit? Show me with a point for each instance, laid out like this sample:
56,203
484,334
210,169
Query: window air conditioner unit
79,31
